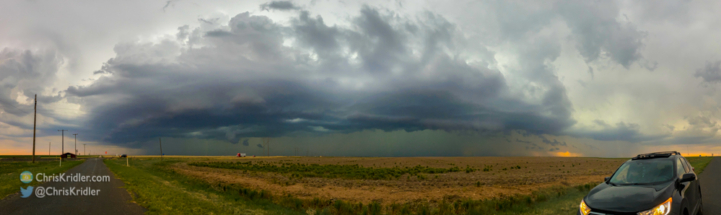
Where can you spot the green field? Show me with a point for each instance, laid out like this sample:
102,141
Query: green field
10,172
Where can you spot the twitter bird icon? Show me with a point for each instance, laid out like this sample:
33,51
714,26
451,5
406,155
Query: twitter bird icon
26,192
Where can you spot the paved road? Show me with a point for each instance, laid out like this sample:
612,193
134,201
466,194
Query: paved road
112,199
711,187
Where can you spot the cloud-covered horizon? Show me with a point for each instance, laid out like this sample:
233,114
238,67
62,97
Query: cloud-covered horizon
549,71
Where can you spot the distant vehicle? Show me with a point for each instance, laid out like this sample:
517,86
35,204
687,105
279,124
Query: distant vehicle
123,155
241,154
660,183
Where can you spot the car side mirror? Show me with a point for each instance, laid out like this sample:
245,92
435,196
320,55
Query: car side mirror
606,179
687,177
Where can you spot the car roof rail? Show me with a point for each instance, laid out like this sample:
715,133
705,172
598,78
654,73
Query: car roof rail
656,155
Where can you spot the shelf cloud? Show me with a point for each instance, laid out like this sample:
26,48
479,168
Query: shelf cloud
552,76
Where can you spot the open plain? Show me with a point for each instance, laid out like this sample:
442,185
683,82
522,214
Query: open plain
434,178
356,185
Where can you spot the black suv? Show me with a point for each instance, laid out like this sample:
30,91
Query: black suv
659,183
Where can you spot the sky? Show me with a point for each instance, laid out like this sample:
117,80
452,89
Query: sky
361,78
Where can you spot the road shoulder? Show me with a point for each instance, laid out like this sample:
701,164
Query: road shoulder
711,187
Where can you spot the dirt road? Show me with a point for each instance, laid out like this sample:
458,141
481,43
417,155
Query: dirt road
111,198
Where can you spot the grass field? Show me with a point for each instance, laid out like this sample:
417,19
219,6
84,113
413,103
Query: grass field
10,171
162,191
400,180
342,185
159,187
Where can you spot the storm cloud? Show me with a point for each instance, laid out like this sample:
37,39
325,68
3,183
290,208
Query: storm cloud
540,77
381,73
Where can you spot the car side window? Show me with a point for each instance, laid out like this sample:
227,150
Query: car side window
688,165
685,166
679,168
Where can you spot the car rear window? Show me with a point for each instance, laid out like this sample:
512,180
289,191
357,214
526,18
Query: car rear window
644,172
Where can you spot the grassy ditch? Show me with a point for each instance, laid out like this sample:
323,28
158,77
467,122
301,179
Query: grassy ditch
10,172
331,170
699,163
162,191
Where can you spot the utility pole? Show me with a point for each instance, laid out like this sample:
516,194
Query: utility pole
266,141
160,141
49,148
35,122
84,149
76,143
63,142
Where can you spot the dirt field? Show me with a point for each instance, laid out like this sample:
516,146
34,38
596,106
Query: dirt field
502,176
